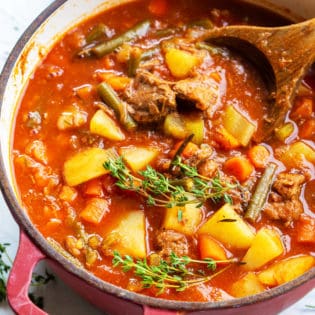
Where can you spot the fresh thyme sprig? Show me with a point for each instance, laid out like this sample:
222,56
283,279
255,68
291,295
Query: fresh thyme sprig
173,274
37,279
5,266
161,191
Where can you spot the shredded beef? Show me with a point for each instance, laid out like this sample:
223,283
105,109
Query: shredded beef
284,203
172,242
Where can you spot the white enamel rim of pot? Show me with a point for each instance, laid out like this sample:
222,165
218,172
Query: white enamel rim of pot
35,43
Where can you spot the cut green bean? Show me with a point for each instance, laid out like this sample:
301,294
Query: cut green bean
211,49
110,97
107,47
97,33
259,197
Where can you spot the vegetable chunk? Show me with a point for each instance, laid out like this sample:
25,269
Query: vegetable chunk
94,210
229,228
286,270
180,62
86,165
138,158
184,219
129,237
266,246
248,285
238,126
103,125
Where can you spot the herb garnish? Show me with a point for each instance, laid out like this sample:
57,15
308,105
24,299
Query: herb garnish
161,191
5,266
37,279
169,274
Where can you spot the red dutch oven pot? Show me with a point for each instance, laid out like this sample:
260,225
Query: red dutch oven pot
35,42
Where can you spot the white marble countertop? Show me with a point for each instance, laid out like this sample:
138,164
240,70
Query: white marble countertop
15,16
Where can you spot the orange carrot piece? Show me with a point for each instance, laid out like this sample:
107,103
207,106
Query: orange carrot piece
84,91
306,229
259,156
225,139
94,210
238,166
303,108
190,149
94,188
68,193
210,248
307,129
158,7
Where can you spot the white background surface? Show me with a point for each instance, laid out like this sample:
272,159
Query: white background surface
15,16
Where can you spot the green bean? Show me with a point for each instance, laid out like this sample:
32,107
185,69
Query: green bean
96,33
133,62
136,57
107,47
259,197
110,97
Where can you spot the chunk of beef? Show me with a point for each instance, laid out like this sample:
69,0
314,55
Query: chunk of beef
201,90
150,98
171,242
286,210
289,185
284,203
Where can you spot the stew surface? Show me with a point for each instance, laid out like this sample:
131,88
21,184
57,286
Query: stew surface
138,154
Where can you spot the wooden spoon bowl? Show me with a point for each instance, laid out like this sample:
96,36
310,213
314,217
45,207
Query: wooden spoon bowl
282,54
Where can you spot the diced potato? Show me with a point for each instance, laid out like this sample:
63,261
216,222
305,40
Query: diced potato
86,165
71,119
284,131
265,247
195,125
138,158
210,248
129,237
174,126
247,285
103,125
180,126
185,219
238,126
180,62
286,270
229,228
94,210
296,153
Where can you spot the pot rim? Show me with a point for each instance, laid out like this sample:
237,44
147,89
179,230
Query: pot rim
27,226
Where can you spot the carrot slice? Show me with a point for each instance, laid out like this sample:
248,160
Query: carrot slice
239,166
158,7
94,210
188,151
306,229
93,188
210,248
259,156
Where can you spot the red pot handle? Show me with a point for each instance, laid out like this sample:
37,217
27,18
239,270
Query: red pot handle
28,255
154,311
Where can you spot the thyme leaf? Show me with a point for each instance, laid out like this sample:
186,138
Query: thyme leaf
169,274
161,191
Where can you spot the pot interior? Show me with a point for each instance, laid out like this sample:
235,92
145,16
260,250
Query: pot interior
36,43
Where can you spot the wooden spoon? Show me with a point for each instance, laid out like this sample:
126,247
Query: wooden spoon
283,54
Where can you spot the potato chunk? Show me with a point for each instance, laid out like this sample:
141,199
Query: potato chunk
184,219
266,246
138,158
103,125
247,285
180,62
229,228
129,237
286,270
86,165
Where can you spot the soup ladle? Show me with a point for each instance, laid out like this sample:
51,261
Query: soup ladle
282,54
